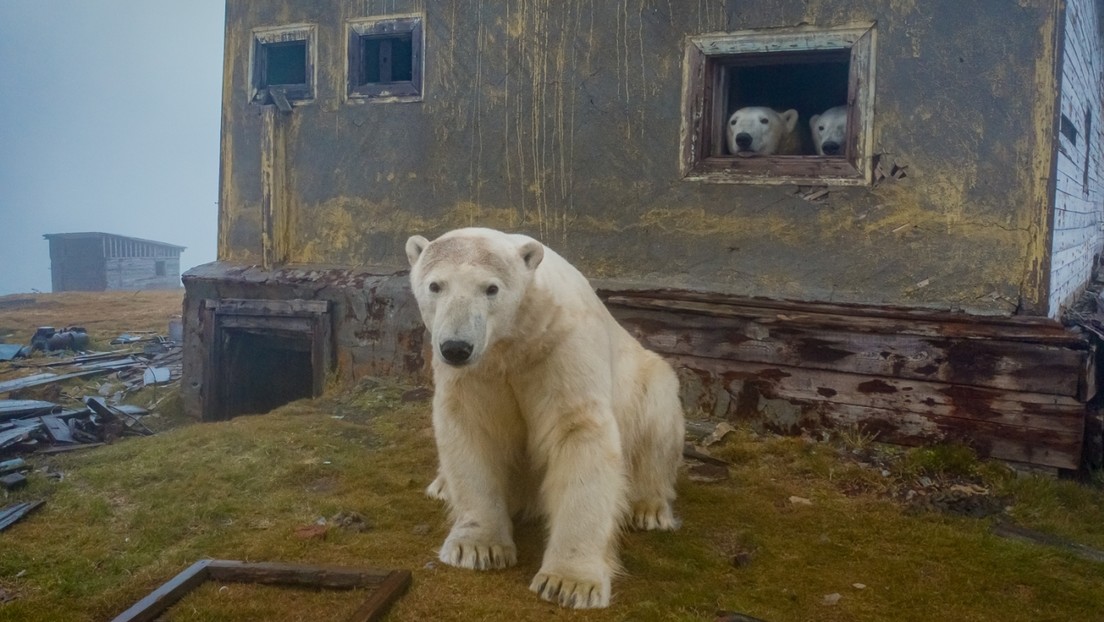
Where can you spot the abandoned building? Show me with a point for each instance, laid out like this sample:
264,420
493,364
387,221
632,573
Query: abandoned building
96,262
912,286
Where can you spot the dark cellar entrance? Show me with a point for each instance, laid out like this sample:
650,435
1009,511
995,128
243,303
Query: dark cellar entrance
263,354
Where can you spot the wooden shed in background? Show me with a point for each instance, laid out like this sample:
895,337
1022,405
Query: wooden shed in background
96,262
912,286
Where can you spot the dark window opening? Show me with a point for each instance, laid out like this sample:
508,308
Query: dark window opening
1068,130
285,64
808,83
159,268
265,370
385,59
282,60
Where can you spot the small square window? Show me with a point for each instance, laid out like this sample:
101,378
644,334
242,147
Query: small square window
159,268
282,58
385,59
799,73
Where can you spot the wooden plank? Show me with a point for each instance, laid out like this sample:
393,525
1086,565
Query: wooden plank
296,574
393,587
163,597
1010,365
723,305
250,306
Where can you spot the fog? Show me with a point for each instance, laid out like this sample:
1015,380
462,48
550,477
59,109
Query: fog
109,121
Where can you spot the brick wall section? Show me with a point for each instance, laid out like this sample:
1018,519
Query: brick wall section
1079,196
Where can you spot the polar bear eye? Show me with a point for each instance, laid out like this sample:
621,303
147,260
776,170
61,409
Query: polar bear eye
732,122
820,127
435,287
492,290
764,120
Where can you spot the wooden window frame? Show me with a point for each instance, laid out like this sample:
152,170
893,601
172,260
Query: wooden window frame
391,26
262,39
387,586
704,106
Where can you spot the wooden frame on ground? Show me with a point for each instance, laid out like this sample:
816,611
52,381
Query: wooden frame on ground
389,585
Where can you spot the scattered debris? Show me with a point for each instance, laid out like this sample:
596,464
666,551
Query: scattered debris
13,481
33,425
832,599
351,521
14,512
794,500
859,586
11,351
314,531
718,434
420,529
707,473
49,339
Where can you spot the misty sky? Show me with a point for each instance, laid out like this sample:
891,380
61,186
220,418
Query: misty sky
109,121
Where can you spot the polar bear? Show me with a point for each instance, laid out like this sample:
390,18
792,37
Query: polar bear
829,131
544,406
763,131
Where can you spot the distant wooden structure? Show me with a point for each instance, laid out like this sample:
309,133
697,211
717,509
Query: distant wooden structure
96,262
913,286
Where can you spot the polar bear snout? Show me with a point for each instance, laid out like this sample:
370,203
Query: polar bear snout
831,148
743,141
456,352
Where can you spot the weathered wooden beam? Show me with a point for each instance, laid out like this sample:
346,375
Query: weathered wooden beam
1000,364
164,596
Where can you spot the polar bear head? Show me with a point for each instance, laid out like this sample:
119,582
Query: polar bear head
757,129
829,131
469,284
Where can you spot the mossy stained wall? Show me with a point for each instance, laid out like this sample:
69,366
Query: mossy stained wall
561,119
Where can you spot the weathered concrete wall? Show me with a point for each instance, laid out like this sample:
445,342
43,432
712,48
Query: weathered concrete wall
560,118
1079,172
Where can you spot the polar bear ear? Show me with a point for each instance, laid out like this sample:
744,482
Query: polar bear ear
532,253
790,117
414,247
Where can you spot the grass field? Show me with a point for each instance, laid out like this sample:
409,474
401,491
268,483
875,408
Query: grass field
826,528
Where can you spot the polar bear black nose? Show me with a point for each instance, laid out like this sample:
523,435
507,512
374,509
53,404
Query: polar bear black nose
743,140
455,351
831,148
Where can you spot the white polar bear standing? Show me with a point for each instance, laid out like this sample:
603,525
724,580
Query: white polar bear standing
543,405
763,131
829,131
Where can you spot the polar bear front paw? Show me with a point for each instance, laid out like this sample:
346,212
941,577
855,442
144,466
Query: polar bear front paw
464,553
653,516
436,489
569,592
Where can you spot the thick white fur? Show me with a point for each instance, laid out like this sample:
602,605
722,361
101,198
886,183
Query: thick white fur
559,413
770,131
829,127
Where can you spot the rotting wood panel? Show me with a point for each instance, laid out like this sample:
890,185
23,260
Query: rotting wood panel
1018,427
1013,389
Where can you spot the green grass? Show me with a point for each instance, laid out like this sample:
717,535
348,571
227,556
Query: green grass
129,516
